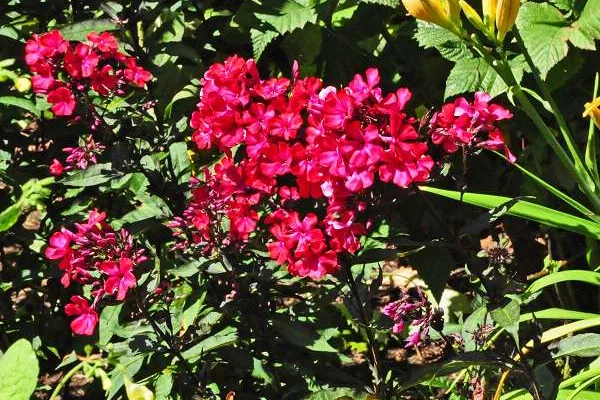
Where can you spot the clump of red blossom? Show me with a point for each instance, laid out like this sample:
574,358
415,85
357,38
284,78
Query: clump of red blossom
462,124
97,256
65,70
78,157
300,141
414,308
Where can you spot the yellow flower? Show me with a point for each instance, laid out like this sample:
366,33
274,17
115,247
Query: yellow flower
506,15
489,13
592,110
445,13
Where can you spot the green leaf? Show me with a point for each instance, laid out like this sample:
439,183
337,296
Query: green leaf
109,320
302,335
473,74
92,176
524,209
434,265
586,29
474,322
429,35
388,3
585,276
19,370
21,103
582,345
287,15
180,161
545,33
9,217
557,313
225,337
523,394
303,45
80,30
340,394
260,40
508,318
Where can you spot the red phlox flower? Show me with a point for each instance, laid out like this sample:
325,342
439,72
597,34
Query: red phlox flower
120,278
62,100
105,41
87,317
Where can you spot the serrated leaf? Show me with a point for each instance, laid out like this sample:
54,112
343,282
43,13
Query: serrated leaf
19,370
388,3
587,28
474,74
287,16
432,36
545,33
260,41
80,30
21,103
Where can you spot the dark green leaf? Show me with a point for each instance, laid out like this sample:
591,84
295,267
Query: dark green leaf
92,176
434,265
80,30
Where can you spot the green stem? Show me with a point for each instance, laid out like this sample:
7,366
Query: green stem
564,129
66,379
380,388
504,71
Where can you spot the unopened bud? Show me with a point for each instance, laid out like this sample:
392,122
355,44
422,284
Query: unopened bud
506,15
23,85
445,13
472,15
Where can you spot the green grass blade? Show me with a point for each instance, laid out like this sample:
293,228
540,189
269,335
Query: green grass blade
558,314
524,209
563,196
578,275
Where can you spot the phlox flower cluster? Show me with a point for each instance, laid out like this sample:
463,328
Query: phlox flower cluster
78,157
287,141
470,125
65,70
415,309
97,256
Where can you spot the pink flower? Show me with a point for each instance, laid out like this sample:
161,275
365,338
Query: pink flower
56,168
120,279
59,245
87,319
62,100
104,41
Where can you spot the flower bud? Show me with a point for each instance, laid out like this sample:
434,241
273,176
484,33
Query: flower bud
23,85
506,15
472,15
489,13
592,110
136,391
445,13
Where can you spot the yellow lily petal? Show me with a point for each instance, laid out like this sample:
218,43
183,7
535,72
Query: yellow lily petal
592,110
